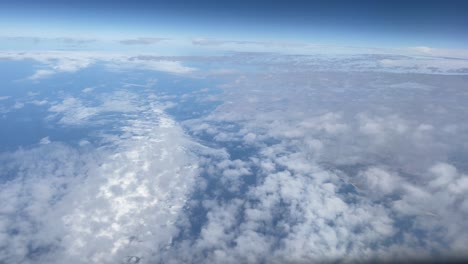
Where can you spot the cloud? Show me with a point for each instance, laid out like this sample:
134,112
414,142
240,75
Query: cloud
44,141
218,42
427,65
438,52
54,62
104,204
76,41
379,181
142,41
39,74
72,111
164,66
64,40
306,159
207,42
18,105
312,62
289,217
346,165
87,90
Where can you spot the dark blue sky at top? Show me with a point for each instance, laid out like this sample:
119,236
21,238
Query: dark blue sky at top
430,23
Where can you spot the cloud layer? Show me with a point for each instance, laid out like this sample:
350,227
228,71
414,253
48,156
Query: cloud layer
110,204
306,158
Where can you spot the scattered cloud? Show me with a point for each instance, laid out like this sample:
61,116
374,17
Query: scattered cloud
70,61
73,111
39,74
219,42
311,158
76,41
44,141
84,204
64,40
345,168
18,105
142,41
438,52
87,90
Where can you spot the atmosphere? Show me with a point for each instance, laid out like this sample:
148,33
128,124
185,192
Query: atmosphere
383,23
233,132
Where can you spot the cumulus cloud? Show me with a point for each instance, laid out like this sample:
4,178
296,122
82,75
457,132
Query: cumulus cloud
304,160
346,165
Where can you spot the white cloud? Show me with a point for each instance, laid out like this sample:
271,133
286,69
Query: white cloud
87,90
142,41
379,181
97,205
44,141
314,163
54,62
164,66
39,102
427,65
346,165
438,52
18,105
39,74
72,111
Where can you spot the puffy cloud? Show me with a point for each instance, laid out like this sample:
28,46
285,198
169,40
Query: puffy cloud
345,165
307,161
379,181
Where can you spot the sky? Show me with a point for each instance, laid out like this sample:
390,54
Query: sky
440,24
233,131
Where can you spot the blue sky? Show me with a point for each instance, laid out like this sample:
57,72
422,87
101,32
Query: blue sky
363,23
